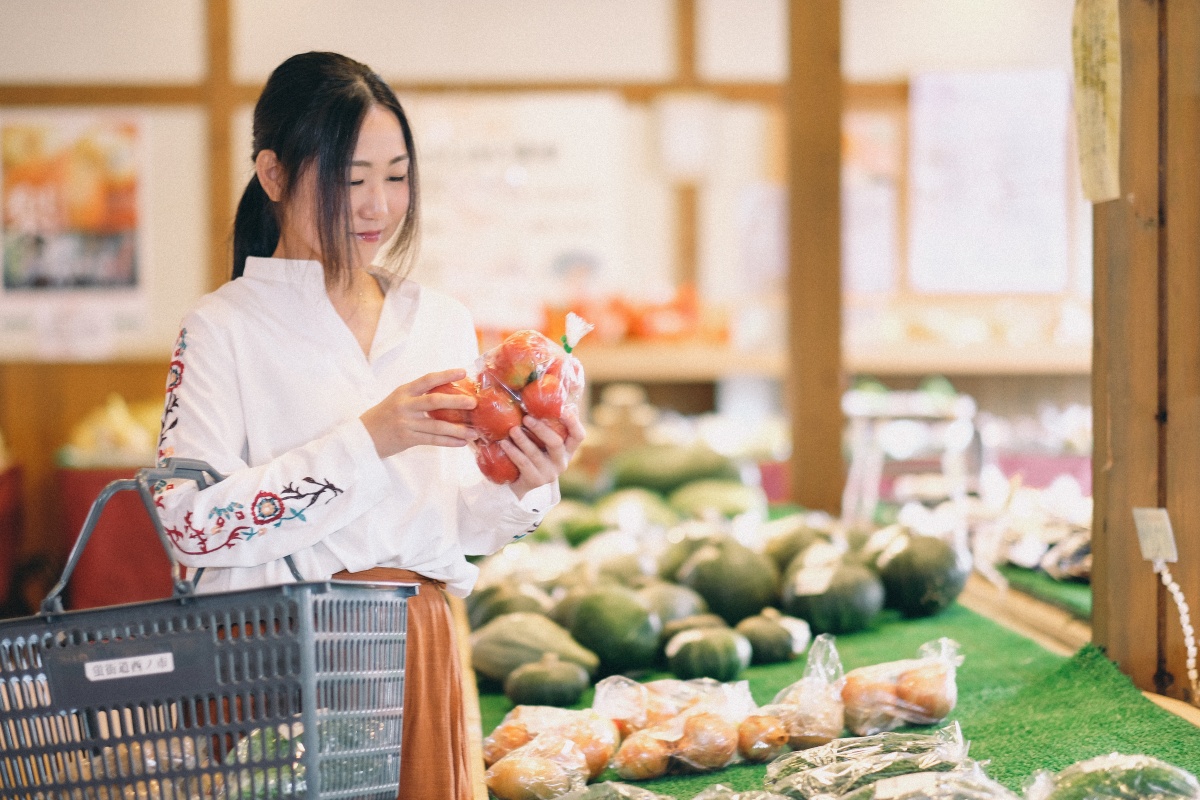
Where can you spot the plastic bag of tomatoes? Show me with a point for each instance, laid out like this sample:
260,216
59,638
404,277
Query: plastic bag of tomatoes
526,374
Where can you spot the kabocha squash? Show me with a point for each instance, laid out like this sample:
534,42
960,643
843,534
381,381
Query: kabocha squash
572,520
663,468
735,581
671,601
727,498
836,598
550,681
677,626
505,597
922,575
717,653
632,504
511,640
615,623
774,637
784,546
677,553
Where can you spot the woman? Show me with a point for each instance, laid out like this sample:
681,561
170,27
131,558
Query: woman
305,381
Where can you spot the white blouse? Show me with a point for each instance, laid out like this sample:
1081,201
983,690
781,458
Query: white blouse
267,384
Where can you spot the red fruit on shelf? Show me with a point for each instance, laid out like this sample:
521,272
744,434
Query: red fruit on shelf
544,398
496,412
495,464
520,358
462,416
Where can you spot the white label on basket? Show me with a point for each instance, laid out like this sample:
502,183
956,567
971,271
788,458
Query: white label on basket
132,667
901,785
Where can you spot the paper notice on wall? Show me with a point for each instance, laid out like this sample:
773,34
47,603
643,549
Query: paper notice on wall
988,182
1096,43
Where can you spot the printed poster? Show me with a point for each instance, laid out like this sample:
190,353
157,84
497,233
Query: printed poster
71,186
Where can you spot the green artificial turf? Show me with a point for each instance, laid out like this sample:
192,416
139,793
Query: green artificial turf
998,666
1073,597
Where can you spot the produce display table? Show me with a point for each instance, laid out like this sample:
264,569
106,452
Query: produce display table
1022,707
124,561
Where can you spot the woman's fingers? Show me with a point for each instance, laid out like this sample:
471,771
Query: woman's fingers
434,379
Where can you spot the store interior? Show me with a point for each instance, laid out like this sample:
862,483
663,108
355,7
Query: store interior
849,285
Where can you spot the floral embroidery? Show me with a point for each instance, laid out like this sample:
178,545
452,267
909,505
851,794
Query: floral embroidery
229,523
170,416
267,508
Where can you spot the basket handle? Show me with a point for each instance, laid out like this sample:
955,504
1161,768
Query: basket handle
187,468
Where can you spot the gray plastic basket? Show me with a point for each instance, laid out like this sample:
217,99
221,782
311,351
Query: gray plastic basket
282,692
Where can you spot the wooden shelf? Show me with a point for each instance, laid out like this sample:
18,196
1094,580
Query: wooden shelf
687,362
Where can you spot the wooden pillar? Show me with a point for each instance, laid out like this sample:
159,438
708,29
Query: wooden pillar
1146,358
220,100
813,108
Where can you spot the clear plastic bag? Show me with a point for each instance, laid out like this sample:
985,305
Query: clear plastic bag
526,374
1115,777
812,707
548,767
634,706
595,735
920,691
845,765
722,792
611,790
966,782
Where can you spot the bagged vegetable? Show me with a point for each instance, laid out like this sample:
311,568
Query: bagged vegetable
811,708
920,691
526,374
547,767
722,792
634,706
1115,777
966,782
844,765
595,735
610,790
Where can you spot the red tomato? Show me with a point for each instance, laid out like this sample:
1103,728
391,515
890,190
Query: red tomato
569,371
556,425
461,416
495,464
496,412
544,398
520,358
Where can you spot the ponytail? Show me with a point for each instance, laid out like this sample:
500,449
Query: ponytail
255,228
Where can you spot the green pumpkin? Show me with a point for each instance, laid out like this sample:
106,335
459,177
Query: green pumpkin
842,597
572,520
663,468
549,681
717,653
615,624
784,545
735,581
691,622
512,640
671,601
923,576
727,498
774,637
506,597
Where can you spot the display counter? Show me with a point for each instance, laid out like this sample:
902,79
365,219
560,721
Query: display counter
1021,706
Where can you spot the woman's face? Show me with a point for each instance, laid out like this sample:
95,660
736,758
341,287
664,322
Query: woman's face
378,194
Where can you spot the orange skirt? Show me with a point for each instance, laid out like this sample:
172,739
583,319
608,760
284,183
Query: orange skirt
433,751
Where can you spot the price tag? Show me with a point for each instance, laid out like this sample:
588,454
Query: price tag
1155,535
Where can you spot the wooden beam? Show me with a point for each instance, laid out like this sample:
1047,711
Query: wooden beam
221,101
1181,301
99,95
1126,362
814,112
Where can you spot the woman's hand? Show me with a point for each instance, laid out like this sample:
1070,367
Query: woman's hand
541,464
401,421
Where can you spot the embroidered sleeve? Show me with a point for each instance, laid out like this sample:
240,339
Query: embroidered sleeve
256,514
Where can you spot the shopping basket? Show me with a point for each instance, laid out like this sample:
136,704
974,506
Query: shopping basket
282,692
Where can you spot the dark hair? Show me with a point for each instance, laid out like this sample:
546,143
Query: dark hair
309,115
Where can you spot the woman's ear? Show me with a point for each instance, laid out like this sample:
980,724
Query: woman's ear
270,174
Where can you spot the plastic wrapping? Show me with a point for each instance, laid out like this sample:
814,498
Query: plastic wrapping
548,767
920,691
966,782
812,708
526,374
675,726
611,790
266,783
720,791
1115,777
139,764
844,765
594,734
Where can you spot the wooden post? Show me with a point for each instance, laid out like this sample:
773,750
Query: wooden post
813,108
1146,358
